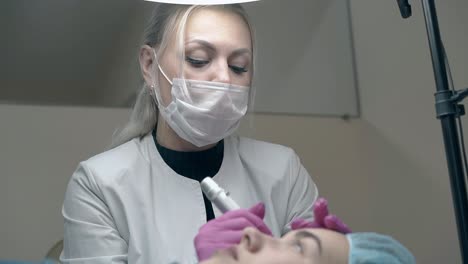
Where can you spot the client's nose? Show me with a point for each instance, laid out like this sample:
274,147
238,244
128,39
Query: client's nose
253,240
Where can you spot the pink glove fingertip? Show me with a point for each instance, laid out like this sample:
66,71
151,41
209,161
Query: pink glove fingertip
320,202
334,223
320,211
298,223
258,210
301,223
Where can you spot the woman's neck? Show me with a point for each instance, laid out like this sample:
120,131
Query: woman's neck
167,138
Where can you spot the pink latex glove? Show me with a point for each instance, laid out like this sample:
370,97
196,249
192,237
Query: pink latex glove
226,230
322,219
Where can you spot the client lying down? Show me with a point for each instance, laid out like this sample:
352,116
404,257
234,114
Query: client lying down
241,236
313,246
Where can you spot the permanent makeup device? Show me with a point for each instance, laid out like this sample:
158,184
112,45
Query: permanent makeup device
218,196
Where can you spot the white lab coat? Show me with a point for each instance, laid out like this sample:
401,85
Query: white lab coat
127,205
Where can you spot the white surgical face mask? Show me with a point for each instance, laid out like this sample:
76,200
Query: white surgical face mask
203,112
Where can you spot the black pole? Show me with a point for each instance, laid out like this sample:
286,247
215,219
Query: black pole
447,111
405,8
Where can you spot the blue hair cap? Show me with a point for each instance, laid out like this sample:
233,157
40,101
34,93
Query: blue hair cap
373,248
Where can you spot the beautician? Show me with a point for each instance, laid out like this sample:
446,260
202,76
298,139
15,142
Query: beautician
140,201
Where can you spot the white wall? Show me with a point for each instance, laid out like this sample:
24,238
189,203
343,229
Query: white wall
40,149
397,85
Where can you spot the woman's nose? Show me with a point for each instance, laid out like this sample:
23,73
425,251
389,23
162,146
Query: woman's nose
253,239
222,73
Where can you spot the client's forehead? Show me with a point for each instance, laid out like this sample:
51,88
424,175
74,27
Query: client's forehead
320,232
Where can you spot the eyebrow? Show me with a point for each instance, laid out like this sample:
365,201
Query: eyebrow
211,47
306,234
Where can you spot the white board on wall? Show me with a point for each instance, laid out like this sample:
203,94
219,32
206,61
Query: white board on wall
305,57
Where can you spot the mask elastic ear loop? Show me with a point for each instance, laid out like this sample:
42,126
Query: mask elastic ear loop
159,67
156,96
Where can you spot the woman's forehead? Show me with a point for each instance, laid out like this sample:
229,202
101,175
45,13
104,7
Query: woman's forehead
218,26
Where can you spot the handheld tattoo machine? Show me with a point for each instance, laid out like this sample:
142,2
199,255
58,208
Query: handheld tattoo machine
218,196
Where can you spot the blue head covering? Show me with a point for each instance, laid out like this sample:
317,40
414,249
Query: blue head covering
373,248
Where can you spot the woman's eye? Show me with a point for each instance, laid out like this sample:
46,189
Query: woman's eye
237,70
196,62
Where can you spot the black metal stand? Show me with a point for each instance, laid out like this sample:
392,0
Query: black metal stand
448,110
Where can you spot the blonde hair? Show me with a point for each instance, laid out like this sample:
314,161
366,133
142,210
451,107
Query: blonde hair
167,20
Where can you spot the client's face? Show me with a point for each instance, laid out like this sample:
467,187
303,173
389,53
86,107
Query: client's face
311,246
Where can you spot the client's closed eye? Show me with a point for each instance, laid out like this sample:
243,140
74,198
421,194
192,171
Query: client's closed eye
303,234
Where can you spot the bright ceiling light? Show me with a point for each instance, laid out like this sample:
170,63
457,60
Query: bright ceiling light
202,2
